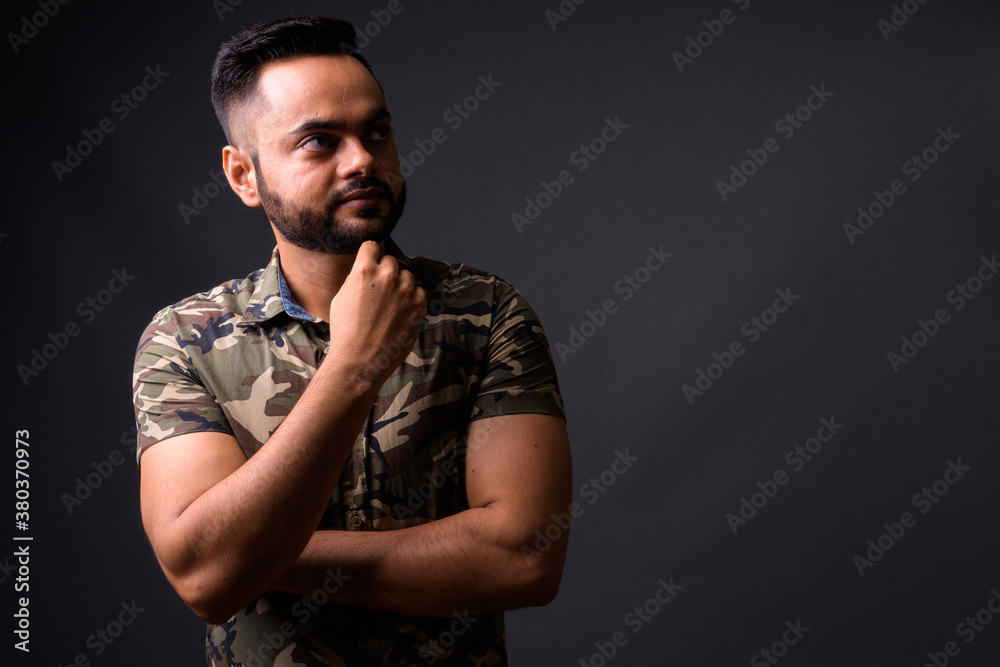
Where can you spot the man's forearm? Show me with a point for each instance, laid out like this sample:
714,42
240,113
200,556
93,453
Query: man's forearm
246,530
471,562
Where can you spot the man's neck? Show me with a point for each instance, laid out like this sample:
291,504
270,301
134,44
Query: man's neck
314,277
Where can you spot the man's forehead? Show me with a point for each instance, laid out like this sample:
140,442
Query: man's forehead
318,85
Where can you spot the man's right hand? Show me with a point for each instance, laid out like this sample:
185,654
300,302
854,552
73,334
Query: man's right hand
375,317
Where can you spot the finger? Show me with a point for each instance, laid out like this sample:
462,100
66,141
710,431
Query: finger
389,264
407,280
368,254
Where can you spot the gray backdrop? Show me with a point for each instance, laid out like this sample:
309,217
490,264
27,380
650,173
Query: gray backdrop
801,399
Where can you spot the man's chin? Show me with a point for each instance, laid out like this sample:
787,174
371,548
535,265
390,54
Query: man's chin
349,238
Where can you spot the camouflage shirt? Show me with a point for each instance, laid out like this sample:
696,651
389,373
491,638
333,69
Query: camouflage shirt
237,358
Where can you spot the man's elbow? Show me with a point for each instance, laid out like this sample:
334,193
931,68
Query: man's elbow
211,612
539,576
213,588
541,592
208,602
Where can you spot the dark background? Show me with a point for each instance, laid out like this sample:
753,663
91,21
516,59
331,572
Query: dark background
665,516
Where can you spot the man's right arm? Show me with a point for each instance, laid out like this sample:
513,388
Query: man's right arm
223,527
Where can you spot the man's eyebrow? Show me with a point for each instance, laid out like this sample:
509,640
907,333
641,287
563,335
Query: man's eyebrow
336,125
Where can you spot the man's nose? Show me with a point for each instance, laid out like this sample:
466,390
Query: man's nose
356,159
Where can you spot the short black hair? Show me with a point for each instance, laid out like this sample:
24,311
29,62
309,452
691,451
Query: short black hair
240,60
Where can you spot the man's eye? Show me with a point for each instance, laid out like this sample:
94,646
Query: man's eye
317,142
380,133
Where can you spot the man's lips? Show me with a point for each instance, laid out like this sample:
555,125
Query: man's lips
363,198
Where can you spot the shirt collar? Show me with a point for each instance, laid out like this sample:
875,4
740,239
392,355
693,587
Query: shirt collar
271,296
288,301
265,301
403,260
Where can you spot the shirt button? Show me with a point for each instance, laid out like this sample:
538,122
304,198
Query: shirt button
355,521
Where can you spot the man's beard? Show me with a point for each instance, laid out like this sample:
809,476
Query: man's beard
320,230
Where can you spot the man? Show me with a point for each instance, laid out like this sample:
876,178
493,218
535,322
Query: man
346,457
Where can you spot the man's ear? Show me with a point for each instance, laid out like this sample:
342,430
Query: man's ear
240,173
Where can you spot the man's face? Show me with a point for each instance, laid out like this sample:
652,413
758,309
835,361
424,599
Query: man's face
325,142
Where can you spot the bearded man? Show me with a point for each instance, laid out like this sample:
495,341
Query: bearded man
348,456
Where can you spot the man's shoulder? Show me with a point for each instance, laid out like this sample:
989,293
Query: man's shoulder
224,303
457,279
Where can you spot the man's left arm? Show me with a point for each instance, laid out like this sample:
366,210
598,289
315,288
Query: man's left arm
518,479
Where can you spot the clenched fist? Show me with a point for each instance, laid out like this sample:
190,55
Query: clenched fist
376,315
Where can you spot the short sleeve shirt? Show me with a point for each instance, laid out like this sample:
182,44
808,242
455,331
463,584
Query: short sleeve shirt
236,359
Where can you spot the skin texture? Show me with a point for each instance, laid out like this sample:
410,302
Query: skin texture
326,125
